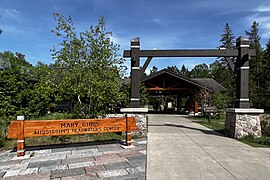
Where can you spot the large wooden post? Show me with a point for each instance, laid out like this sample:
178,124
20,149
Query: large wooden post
242,73
135,73
196,105
20,136
178,103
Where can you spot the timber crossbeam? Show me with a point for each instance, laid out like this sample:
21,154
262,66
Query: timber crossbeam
189,53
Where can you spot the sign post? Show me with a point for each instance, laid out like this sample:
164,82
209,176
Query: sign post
20,136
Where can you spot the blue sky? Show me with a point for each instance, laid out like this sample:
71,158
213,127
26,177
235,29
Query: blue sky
170,24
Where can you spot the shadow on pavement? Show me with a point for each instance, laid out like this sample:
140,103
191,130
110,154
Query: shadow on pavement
70,145
197,129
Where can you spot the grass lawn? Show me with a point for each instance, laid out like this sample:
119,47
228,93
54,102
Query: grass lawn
53,140
217,124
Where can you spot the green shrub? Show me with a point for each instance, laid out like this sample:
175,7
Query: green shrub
256,142
52,116
4,124
249,137
265,125
264,140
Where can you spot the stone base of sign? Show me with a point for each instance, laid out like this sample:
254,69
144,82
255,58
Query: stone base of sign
134,110
141,120
26,156
128,147
241,122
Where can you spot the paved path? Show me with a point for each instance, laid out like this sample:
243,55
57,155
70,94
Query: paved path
180,149
76,161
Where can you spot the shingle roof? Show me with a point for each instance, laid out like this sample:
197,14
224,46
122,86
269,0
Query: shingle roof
210,83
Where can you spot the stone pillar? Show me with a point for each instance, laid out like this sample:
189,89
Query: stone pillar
141,123
240,122
243,120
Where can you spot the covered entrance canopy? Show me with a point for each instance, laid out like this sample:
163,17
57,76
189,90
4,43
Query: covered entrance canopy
178,88
242,54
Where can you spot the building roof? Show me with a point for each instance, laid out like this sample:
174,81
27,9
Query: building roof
208,83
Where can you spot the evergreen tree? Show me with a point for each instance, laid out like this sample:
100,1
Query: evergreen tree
227,38
174,69
220,69
153,70
253,35
200,71
255,64
184,71
265,88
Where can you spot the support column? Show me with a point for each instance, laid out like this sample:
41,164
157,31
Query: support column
20,136
196,105
178,104
135,73
128,131
242,72
243,120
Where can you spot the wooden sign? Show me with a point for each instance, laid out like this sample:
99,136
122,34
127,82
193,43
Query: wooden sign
210,109
21,129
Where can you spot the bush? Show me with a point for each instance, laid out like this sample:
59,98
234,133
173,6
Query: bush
265,125
264,140
4,123
53,116
253,141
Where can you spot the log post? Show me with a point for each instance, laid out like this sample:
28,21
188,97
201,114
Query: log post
20,136
128,131
135,73
196,105
242,70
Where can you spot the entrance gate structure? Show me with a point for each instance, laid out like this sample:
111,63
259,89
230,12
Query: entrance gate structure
241,120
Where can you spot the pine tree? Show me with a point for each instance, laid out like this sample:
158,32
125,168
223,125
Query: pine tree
227,41
184,71
220,69
254,35
153,70
200,71
255,64
174,69
265,88
227,38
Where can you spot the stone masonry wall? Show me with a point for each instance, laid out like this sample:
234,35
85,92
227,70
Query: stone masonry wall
141,123
247,124
242,124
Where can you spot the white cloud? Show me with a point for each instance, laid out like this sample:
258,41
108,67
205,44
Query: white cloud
10,13
262,16
116,40
157,21
263,9
11,29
